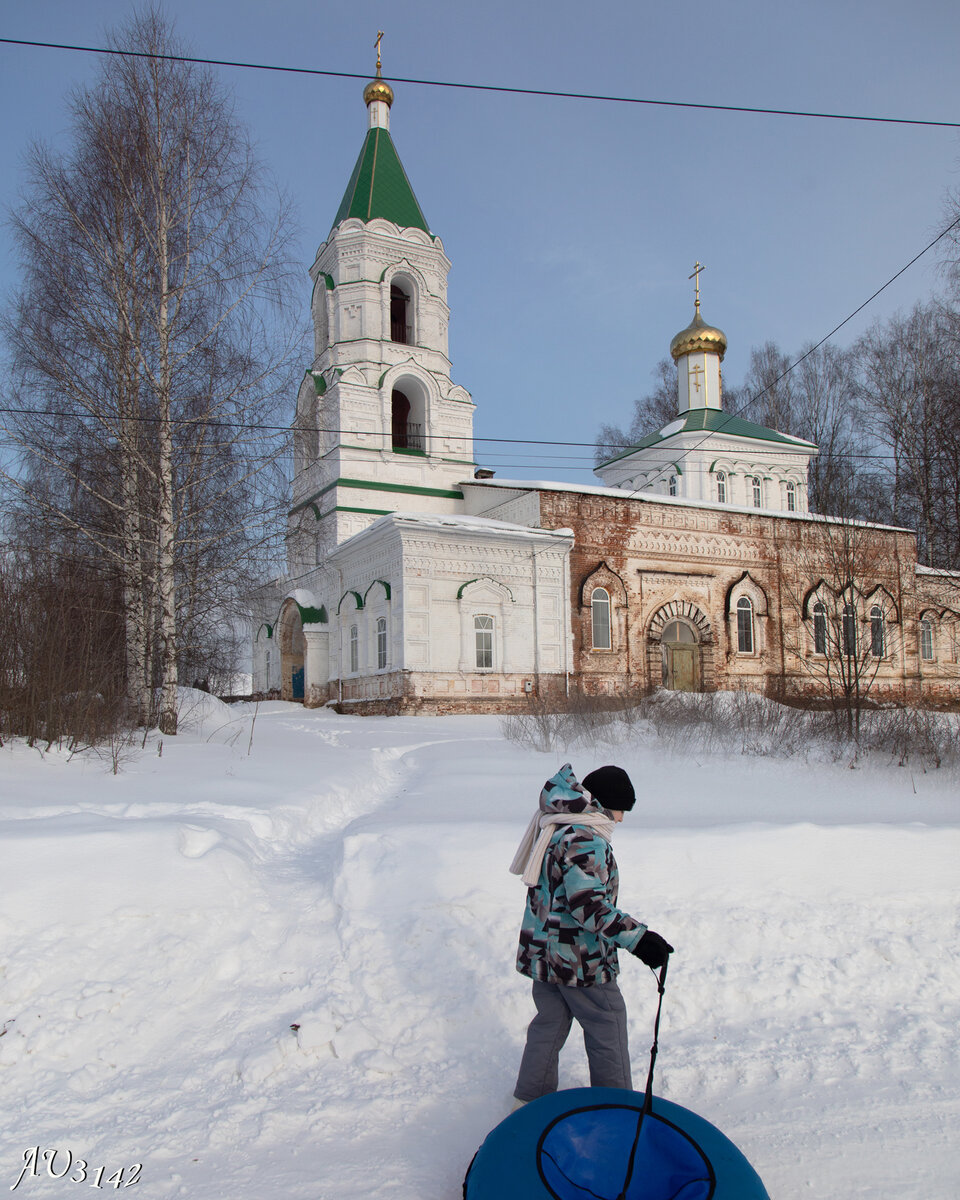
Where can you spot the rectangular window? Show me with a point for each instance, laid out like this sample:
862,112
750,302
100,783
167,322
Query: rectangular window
819,629
600,612
381,643
745,630
354,650
483,631
877,648
926,640
849,631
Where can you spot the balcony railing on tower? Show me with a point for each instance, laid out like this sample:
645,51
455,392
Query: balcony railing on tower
408,436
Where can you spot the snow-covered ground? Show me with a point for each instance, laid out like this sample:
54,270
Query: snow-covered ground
162,929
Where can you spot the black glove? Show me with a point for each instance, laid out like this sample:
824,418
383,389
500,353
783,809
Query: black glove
652,949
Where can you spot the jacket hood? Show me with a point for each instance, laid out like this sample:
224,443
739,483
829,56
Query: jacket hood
562,793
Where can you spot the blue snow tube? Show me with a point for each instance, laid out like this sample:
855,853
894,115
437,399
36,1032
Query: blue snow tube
598,1144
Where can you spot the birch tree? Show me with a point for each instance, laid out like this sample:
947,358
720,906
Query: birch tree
153,345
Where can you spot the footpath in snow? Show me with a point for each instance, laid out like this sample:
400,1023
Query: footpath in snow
163,930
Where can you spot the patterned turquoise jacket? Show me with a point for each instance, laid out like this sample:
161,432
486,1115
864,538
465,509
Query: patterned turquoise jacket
571,925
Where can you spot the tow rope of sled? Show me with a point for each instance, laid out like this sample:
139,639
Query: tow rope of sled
648,1090
610,1144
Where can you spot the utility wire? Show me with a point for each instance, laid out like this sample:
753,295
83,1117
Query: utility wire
264,428
489,87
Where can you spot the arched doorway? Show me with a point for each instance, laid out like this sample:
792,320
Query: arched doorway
291,652
680,650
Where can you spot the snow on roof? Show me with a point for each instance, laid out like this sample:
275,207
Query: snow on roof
548,485
461,521
941,572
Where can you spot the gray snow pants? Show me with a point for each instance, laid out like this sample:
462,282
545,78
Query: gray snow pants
602,1014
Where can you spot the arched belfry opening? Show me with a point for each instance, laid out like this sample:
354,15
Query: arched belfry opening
401,313
407,415
400,419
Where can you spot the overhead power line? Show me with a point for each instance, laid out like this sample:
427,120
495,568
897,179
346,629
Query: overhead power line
264,428
491,87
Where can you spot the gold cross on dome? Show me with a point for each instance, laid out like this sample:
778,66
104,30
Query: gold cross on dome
697,268
379,40
695,373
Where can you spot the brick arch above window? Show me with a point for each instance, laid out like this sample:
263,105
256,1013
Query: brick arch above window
820,593
602,576
747,586
881,597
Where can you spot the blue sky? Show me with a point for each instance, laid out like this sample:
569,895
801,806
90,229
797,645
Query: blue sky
573,225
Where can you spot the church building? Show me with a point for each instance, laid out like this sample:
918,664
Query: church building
417,583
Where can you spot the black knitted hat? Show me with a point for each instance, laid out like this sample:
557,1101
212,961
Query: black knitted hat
611,787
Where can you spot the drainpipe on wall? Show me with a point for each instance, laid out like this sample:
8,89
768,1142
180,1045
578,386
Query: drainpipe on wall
339,642
567,624
536,619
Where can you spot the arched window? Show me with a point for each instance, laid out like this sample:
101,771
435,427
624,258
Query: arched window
381,643
819,628
744,625
600,610
849,631
926,640
354,649
483,633
877,632
672,486
721,487
757,485
400,306
791,497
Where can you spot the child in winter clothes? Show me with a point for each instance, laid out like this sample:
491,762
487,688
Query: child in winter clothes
572,927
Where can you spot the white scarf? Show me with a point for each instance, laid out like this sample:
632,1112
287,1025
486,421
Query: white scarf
529,856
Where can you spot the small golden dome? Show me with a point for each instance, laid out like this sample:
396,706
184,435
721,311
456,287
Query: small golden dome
376,89
698,335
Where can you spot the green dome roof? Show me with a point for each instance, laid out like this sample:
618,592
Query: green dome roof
379,186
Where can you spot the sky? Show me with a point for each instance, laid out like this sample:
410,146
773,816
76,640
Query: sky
573,225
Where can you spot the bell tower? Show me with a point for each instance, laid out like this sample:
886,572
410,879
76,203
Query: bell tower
380,427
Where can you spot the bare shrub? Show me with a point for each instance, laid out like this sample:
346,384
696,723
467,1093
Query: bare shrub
912,735
742,722
61,668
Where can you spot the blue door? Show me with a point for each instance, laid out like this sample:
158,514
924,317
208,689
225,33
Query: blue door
296,681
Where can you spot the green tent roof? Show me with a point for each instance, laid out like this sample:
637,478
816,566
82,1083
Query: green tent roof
379,186
712,420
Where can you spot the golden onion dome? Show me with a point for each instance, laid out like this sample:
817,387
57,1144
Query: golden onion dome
698,335
377,89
